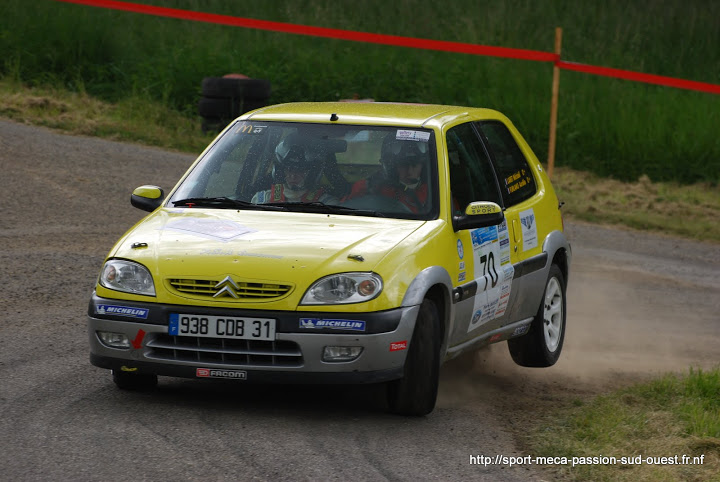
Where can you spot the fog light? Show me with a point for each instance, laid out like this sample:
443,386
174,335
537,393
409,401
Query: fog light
341,353
114,340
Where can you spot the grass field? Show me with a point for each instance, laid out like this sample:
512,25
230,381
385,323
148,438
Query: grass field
606,126
676,415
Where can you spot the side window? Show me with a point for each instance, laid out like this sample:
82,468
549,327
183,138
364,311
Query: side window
516,180
471,174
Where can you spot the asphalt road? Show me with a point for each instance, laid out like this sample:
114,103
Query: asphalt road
638,305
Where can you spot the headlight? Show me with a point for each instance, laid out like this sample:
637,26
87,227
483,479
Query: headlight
343,288
121,275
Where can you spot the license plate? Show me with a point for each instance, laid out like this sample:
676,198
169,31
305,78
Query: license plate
222,327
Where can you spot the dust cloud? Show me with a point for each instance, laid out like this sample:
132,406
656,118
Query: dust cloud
625,324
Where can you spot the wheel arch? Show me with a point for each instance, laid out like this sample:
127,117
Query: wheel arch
434,283
559,252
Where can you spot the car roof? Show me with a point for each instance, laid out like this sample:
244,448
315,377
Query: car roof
371,113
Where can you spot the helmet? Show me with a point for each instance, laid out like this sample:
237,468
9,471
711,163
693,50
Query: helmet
291,153
396,152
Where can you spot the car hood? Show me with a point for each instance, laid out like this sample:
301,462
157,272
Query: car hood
258,245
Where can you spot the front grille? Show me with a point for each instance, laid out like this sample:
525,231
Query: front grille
245,290
220,351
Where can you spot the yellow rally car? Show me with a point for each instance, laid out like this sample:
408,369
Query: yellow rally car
339,243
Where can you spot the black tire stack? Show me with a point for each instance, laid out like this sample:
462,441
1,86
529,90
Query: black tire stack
225,98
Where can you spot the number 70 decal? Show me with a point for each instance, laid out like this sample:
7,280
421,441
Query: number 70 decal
492,264
488,264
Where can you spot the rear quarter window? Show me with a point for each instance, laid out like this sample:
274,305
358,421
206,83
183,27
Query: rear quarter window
514,174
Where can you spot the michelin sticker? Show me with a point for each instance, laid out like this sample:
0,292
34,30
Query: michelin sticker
493,273
129,311
317,323
529,229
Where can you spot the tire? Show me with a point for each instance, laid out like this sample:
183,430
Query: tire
221,87
542,345
219,108
258,89
416,392
134,381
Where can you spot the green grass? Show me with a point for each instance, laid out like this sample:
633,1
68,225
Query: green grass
133,119
611,127
673,415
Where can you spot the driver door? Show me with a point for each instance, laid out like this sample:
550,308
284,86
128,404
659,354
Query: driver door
486,271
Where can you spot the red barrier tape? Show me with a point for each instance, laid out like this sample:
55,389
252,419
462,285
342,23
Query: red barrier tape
373,38
398,41
639,77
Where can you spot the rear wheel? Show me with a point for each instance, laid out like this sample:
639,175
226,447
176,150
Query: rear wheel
416,392
134,381
542,345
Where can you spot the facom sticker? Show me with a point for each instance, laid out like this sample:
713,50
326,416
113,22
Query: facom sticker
318,323
129,311
215,373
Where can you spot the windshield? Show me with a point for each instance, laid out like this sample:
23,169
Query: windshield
363,170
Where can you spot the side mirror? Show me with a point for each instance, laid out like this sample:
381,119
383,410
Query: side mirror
147,198
479,215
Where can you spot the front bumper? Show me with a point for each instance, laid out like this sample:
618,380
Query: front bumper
295,356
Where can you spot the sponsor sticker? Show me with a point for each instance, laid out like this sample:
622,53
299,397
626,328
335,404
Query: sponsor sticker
128,311
407,135
217,229
529,229
521,330
398,345
245,128
495,337
217,373
461,250
493,273
462,276
318,323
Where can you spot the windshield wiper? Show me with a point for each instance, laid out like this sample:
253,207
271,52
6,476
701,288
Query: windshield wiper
320,207
224,202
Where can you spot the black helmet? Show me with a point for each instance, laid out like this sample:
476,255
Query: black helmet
396,152
292,153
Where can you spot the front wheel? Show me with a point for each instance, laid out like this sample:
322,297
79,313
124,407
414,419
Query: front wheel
542,345
416,392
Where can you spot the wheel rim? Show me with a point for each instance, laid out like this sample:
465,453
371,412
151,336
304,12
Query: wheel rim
553,314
